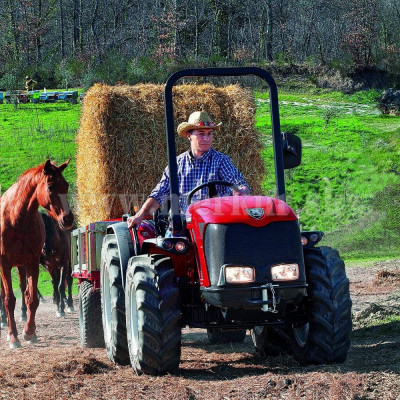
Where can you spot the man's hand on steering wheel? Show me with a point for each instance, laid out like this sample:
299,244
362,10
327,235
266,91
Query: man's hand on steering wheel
243,191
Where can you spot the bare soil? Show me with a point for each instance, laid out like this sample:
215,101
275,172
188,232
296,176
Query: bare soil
58,368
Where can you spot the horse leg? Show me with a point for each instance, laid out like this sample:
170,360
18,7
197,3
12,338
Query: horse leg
3,315
55,278
9,305
61,293
32,301
70,281
22,286
41,298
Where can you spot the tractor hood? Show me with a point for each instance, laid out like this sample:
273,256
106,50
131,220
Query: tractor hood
251,210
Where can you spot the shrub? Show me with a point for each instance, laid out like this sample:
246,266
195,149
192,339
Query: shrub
388,202
10,83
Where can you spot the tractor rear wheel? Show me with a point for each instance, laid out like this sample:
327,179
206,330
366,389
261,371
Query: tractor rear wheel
113,302
90,325
153,317
325,339
217,335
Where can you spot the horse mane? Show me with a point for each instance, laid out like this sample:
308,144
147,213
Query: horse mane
35,171
32,176
22,186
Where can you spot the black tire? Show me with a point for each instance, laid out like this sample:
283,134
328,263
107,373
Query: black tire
90,325
113,302
326,338
153,315
217,335
271,341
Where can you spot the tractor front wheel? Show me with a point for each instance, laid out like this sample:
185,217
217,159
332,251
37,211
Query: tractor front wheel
90,325
113,302
325,339
153,317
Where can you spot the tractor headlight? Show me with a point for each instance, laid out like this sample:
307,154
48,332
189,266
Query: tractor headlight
239,274
304,241
285,272
180,247
167,244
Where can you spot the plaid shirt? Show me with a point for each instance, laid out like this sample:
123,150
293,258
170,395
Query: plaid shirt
192,172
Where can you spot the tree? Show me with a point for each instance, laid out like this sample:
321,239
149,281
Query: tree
360,37
266,30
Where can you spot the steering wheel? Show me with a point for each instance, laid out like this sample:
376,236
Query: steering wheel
212,189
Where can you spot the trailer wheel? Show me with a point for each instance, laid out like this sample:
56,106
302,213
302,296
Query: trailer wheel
90,325
113,302
270,341
325,339
153,315
217,335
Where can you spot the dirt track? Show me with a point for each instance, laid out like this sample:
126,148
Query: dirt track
57,368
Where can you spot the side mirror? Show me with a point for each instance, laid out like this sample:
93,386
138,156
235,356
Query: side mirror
291,145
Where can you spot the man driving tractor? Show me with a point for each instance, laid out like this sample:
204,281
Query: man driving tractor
196,166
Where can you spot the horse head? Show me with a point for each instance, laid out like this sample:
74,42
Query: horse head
52,193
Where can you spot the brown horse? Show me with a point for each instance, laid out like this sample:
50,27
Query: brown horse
56,258
22,235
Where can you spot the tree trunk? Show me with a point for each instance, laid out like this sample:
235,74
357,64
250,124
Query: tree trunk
12,30
176,22
269,32
80,26
196,32
266,32
62,38
221,21
93,30
39,33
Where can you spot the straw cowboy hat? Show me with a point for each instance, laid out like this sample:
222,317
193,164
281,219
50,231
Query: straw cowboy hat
197,120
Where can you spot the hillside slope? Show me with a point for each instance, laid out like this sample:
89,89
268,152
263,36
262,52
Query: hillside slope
348,183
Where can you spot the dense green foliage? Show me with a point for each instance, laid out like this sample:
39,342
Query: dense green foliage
75,42
347,185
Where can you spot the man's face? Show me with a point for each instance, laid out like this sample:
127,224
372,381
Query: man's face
200,140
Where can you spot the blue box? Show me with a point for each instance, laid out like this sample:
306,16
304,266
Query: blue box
70,96
48,97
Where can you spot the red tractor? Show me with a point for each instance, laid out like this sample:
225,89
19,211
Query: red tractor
232,264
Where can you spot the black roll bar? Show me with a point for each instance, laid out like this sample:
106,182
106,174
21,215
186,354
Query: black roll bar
170,130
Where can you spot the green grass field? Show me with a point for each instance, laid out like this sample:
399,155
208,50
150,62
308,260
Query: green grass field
347,184
34,132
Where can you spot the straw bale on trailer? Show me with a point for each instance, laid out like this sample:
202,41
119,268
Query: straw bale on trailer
122,146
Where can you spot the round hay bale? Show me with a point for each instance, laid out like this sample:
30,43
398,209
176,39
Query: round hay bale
122,145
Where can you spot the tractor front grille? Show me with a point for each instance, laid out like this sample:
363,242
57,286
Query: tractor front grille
241,244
